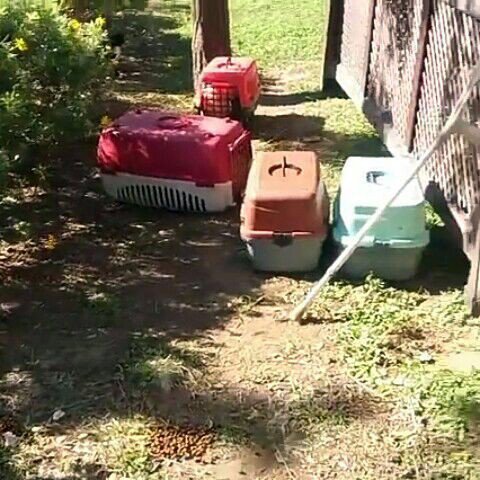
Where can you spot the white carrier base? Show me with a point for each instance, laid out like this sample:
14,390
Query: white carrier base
175,195
301,255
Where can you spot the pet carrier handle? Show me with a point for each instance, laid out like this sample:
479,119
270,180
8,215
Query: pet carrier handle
284,167
374,176
282,239
229,62
289,166
179,122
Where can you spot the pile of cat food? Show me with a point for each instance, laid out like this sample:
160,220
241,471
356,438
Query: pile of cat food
174,442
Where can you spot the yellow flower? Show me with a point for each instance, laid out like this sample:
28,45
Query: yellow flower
51,242
75,25
100,22
105,121
21,44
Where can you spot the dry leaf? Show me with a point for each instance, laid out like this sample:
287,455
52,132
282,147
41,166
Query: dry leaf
58,415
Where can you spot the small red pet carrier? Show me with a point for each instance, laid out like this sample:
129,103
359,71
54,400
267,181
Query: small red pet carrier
229,87
182,163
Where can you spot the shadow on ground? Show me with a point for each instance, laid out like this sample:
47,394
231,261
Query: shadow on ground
275,96
82,277
294,131
156,56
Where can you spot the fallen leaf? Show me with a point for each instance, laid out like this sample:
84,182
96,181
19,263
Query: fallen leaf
58,415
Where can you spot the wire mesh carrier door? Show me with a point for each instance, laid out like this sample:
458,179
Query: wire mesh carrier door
221,100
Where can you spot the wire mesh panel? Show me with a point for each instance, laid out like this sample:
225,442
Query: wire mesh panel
453,47
357,30
397,52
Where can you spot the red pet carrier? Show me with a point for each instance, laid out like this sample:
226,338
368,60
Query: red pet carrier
229,87
188,163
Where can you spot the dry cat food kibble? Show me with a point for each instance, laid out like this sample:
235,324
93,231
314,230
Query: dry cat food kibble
181,442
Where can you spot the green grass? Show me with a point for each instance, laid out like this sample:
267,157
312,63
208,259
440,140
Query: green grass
126,447
385,327
152,361
447,405
281,34
454,399
388,339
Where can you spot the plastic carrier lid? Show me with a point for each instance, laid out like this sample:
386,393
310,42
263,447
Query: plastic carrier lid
284,195
234,64
189,127
159,144
365,185
374,178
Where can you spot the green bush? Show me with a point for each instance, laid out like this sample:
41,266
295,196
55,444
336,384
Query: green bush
52,71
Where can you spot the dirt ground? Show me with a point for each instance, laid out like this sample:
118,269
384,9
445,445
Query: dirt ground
95,294
93,274
179,278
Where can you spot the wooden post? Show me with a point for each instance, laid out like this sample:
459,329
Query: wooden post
211,33
333,41
473,287
358,26
427,13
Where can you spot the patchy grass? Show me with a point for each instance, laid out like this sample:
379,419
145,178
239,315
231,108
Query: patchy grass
282,35
156,68
102,305
454,400
386,328
443,436
125,447
154,362
391,341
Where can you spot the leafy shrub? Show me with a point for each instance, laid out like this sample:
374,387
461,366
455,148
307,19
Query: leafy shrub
52,71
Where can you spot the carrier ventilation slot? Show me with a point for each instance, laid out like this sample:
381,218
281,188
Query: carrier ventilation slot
161,197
